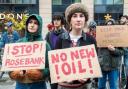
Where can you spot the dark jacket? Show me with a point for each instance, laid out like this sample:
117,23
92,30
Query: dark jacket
110,60
64,41
52,37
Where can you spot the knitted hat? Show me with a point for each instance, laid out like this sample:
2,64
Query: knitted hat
74,8
112,21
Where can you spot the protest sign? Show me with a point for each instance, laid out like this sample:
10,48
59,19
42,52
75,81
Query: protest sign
115,35
22,56
73,64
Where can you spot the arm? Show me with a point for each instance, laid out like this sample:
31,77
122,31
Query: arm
46,72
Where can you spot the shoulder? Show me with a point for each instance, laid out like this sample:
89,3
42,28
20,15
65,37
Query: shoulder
22,40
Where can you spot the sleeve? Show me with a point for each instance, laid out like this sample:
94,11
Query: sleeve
2,42
17,36
46,72
118,51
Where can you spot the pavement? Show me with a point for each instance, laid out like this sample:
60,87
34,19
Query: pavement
7,83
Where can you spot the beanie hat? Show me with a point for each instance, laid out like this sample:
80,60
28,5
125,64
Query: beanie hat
111,20
74,8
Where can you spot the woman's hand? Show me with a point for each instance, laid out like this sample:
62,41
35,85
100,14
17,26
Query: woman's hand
111,48
34,74
17,75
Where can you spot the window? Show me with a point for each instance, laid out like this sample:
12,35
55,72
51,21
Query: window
56,2
100,9
103,7
64,2
17,1
109,2
96,2
73,1
118,1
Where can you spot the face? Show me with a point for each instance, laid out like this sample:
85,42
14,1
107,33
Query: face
10,29
109,23
32,25
77,21
57,23
123,20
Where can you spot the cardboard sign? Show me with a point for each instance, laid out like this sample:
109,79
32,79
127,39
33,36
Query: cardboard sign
73,64
20,56
115,35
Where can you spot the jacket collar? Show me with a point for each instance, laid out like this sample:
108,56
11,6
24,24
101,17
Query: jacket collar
67,36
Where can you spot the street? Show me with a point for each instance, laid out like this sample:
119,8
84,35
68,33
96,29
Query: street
7,83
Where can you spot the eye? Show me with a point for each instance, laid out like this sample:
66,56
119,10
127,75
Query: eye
82,15
36,22
30,21
74,15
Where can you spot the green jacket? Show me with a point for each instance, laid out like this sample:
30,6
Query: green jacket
29,37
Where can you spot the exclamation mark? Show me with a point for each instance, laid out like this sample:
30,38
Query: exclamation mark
57,71
90,66
41,47
8,50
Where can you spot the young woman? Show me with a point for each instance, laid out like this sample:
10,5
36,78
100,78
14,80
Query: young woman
33,78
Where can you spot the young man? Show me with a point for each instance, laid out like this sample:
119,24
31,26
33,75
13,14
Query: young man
76,17
33,78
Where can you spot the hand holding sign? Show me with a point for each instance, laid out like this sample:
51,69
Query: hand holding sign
17,75
34,74
73,64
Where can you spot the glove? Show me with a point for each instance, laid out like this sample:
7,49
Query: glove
17,75
34,74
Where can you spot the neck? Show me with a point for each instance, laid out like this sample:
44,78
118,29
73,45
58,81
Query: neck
57,28
76,32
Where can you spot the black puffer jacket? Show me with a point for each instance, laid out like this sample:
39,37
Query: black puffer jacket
110,60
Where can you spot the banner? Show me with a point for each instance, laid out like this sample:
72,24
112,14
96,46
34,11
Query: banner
73,64
115,35
21,56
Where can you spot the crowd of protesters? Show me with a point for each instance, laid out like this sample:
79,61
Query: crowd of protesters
64,33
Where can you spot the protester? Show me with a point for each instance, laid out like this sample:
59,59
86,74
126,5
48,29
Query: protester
33,78
76,16
92,31
110,60
11,36
124,21
92,28
51,37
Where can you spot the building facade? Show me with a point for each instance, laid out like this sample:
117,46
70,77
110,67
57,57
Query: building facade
98,9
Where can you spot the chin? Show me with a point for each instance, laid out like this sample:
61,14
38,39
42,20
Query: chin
32,31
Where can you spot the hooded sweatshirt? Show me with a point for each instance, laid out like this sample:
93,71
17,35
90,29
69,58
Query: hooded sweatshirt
37,36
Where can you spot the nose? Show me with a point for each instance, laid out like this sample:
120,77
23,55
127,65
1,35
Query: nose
32,24
78,18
